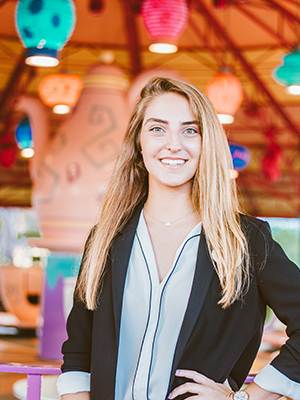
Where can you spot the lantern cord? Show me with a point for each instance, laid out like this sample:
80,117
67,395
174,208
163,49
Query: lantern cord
226,23
296,21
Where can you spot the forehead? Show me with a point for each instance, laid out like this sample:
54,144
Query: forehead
169,105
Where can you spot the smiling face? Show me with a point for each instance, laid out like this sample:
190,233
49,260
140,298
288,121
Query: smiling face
170,142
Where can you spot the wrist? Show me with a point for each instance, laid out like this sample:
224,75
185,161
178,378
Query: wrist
240,395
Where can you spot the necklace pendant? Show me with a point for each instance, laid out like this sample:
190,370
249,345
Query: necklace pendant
168,224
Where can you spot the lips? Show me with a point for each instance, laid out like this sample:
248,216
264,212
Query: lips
172,161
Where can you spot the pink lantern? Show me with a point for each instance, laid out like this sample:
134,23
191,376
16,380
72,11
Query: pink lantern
225,92
164,21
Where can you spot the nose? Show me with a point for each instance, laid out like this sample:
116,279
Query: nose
173,142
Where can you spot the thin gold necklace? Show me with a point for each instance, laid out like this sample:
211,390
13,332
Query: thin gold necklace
168,224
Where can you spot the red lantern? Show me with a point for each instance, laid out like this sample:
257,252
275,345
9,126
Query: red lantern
220,3
271,163
164,21
8,152
60,90
96,6
225,92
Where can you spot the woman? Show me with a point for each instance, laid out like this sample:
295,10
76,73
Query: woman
172,292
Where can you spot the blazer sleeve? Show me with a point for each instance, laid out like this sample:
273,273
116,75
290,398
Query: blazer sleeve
77,348
279,284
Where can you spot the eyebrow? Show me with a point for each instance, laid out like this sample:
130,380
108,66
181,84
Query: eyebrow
162,121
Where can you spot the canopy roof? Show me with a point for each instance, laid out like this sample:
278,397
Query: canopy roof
249,36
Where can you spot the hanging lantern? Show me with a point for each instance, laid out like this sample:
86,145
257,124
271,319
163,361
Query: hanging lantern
240,156
272,161
220,3
164,21
24,137
60,91
271,164
8,151
225,92
288,73
96,6
44,26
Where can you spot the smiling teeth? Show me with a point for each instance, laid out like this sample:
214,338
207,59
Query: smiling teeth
172,162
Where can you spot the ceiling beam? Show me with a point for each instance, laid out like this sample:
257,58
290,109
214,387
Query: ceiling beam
204,40
284,11
2,2
246,65
132,35
260,23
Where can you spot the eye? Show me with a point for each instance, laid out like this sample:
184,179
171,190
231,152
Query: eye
156,129
191,131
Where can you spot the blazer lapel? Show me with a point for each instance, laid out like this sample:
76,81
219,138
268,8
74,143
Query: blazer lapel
120,254
204,272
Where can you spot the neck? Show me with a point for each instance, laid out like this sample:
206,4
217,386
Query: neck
168,203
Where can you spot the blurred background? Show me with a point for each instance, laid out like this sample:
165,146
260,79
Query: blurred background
70,73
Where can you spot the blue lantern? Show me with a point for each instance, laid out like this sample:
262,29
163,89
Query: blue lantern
240,156
24,137
44,27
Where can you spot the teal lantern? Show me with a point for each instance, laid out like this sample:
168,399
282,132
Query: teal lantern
24,137
44,27
288,74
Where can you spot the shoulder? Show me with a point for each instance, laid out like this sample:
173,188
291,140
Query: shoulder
250,222
254,227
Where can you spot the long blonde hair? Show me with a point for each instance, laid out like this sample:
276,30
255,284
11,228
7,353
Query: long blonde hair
213,195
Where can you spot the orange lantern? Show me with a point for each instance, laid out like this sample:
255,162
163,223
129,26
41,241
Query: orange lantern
60,91
225,92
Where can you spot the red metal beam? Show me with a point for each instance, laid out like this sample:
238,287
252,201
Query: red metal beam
294,2
205,41
3,2
284,11
260,23
246,65
219,60
132,37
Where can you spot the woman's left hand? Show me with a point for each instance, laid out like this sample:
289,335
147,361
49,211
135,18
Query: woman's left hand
202,387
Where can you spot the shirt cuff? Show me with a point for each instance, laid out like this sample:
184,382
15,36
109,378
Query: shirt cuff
73,382
274,381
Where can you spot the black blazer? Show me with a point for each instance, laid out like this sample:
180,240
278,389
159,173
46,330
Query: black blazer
220,344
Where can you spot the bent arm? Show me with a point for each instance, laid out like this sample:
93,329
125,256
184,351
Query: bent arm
257,393
206,388
279,284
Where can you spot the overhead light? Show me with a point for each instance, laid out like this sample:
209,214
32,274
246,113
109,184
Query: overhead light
163,48
225,92
293,89
61,109
44,27
36,58
226,118
233,174
164,21
288,73
27,153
